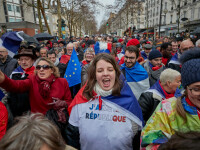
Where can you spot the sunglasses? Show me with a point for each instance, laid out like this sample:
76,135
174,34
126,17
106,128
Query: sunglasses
45,67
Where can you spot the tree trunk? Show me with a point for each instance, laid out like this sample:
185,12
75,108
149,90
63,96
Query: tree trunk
39,16
59,18
44,16
80,30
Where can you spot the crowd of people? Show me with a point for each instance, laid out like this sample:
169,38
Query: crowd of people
132,93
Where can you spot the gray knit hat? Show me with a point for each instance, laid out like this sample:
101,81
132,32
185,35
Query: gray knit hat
190,71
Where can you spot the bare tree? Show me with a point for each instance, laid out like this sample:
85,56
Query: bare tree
41,6
78,13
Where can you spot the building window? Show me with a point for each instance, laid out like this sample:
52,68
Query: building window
184,14
165,5
17,8
9,30
36,31
9,7
14,11
185,3
171,18
18,19
157,11
192,14
199,13
11,19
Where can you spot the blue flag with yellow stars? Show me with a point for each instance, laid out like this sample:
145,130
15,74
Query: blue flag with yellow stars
73,71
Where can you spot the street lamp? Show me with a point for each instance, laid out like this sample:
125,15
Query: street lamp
160,17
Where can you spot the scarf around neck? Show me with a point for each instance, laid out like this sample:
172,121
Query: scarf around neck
190,107
30,70
45,85
101,92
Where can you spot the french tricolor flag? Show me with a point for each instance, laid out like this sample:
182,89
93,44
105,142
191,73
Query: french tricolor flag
11,41
102,47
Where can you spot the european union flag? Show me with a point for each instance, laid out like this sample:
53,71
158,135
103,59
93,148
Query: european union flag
73,71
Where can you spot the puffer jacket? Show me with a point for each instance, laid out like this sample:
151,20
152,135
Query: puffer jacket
175,67
148,102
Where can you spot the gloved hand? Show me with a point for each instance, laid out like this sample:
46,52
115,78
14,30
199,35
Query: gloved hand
59,106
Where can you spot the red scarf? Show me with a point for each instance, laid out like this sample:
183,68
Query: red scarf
30,70
191,104
119,51
45,85
167,95
164,60
84,62
156,68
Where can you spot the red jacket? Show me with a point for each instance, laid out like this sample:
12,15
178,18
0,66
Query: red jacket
3,119
59,89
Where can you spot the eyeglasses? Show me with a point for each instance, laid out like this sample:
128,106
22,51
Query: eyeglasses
131,58
45,67
194,91
2,51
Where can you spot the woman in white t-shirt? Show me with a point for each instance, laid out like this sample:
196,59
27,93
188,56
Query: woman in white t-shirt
104,114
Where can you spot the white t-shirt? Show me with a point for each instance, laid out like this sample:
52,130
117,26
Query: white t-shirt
105,129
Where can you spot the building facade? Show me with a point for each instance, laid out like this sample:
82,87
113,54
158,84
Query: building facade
174,17
130,16
18,16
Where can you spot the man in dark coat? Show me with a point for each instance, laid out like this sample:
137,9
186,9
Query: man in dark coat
62,67
7,63
164,88
154,66
174,62
166,50
19,103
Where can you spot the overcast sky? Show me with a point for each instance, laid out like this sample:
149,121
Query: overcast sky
101,15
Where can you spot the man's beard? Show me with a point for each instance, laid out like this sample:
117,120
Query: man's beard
2,58
132,64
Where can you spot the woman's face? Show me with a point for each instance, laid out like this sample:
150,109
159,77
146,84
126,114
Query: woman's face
105,75
44,70
89,56
193,91
62,52
175,84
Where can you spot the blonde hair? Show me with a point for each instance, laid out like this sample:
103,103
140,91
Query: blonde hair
54,68
90,50
31,133
169,75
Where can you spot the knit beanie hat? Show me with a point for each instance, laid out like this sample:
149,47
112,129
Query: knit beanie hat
190,71
154,54
133,42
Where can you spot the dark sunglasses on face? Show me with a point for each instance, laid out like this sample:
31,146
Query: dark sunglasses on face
45,67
